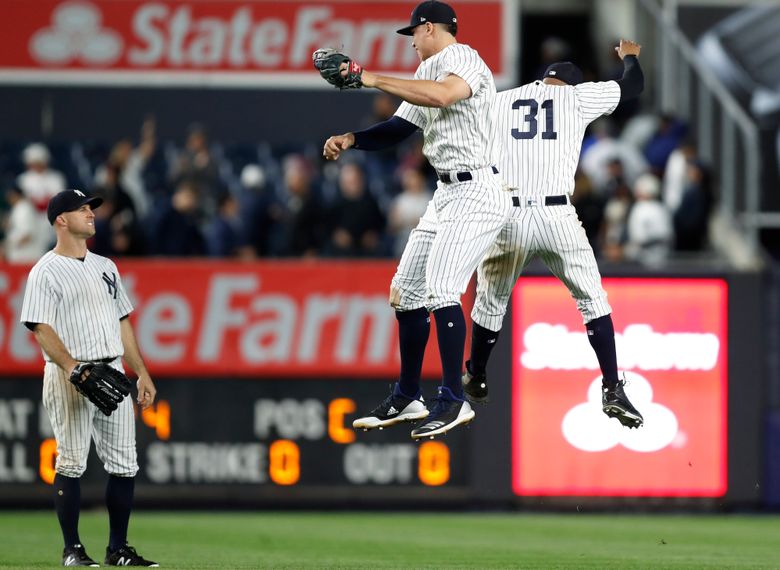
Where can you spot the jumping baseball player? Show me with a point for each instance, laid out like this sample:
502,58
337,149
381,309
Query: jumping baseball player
541,125
451,98
77,308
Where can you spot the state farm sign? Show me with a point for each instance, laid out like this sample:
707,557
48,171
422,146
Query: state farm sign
223,42
670,336
222,319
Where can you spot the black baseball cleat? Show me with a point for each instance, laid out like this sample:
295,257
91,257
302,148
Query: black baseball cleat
447,413
76,556
127,556
615,404
395,409
475,386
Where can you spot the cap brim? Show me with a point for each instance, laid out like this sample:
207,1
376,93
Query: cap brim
407,31
94,202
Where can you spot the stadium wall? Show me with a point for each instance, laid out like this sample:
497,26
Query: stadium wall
261,369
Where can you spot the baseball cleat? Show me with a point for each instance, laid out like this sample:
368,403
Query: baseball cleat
395,409
447,413
475,386
127,556
616,404
76,555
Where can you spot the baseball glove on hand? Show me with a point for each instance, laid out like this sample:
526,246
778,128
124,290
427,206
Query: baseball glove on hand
328,62
104,386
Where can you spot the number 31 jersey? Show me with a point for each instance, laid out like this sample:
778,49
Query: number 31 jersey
541,128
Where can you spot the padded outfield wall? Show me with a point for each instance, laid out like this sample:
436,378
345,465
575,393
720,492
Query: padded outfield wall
261,369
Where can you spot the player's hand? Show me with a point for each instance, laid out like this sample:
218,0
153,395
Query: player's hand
335,145
627,47
146,391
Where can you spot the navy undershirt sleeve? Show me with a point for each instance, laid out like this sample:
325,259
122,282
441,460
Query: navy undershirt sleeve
384,135
633,81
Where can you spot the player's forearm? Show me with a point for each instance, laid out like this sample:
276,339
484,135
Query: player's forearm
384,135
53,346
633,81
420,92
132,352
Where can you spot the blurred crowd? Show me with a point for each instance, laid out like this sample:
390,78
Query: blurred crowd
642,193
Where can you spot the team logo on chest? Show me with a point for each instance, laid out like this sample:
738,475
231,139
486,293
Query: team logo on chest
111,282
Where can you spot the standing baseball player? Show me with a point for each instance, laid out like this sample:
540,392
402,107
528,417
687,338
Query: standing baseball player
541,126
451,98
76,306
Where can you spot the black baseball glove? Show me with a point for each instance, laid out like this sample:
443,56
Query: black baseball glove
104,386
328,62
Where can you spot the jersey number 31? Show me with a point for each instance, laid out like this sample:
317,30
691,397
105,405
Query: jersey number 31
532,108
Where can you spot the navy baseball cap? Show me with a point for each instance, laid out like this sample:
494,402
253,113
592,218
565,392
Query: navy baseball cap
430,11
566,71
69,201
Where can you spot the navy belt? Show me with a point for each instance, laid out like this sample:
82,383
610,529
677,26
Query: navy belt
460,176
560,200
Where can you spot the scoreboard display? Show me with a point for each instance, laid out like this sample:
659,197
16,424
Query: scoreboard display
206,437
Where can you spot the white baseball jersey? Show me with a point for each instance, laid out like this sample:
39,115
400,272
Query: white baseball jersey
460,137
541,128
83,301
464,217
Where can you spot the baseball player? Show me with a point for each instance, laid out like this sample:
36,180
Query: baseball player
541,125
451,98
76,306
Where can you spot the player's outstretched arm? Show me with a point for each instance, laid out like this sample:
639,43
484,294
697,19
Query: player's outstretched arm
633,81
146,389
52,344
421,92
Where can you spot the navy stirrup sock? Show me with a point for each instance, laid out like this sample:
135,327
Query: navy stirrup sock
67,503
413,330
451,332
119,500
601,335
482,343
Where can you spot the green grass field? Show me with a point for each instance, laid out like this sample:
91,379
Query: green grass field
409,540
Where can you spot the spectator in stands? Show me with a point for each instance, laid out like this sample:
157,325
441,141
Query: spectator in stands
176,232
39,183
260,212
118,228
197,166
590,209
224,233
691,218
301,231
355,218
407,208
650,233
666,138
619,202
23,242
604,149
131,163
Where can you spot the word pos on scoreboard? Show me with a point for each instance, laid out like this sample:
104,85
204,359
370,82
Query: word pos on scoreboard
671,339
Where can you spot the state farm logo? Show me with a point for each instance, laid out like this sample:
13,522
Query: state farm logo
76,34
219,35
639,347
586,426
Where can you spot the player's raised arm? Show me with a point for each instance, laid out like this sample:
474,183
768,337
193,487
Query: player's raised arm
633,81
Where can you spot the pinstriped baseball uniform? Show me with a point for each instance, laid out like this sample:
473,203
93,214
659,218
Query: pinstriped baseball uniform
541,127
464,217
83,301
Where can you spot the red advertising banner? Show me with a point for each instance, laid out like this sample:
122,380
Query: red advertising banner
226,319
672,344
226,42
